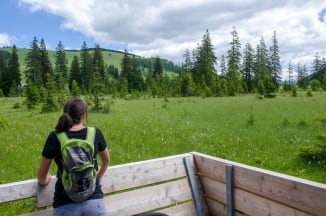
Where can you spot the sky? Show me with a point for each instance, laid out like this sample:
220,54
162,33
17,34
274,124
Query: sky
166,28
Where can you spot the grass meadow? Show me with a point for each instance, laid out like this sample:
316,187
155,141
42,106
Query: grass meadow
263,133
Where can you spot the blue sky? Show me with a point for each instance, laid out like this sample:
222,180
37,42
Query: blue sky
24,25
166,28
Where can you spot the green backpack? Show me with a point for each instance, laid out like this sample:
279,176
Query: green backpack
79,174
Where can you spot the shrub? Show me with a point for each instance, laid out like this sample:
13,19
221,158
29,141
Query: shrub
250,120
270,95
309,92
317,151
294,91
106,107
315,84
313,153
285,122
3,123
16,106
302,123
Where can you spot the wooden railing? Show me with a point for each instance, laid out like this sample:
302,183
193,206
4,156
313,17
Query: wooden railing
162,185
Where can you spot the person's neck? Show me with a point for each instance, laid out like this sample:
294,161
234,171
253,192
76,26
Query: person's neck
77,127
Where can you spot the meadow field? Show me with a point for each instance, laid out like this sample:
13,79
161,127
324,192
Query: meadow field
264,133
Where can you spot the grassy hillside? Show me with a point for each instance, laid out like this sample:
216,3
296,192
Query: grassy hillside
109,56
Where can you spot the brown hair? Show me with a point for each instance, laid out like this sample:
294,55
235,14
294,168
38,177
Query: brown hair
72,113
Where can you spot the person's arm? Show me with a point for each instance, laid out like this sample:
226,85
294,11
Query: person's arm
105,158
43,175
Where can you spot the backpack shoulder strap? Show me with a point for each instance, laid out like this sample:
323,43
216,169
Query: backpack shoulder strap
90,134
62,137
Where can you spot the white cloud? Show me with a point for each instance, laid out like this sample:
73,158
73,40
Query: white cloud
6,39
167,27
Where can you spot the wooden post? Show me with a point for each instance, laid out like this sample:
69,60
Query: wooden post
193,186
229,190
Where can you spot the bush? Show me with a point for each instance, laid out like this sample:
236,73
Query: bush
309,92
315,84
3,123
285,122
106,106
314,153
250,120
302,123
270,95
294,91
16,106
317,151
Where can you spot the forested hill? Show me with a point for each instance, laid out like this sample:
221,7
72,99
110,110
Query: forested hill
111,57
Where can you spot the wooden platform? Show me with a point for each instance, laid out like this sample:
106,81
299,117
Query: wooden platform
162,185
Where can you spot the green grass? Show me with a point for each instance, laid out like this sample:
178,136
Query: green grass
263,133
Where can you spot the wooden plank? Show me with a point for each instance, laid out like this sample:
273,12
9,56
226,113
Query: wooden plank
216,208
45,194
248,203
298,193
18,190
184,209
121,177
148,198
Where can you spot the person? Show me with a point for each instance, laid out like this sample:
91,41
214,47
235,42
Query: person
72,122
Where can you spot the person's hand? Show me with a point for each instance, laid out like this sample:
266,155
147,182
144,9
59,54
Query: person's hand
47,180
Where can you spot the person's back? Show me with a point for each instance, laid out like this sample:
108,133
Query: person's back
71,123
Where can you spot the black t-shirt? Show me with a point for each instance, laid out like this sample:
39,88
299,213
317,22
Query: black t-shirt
52,151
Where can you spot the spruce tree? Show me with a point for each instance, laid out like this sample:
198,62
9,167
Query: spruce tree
223,67
50,103
126,70
158,69
137,78
75,73
32,95
187,65
3,68
46,65
97,89
61,68
33,72
262,62
302,76
316,63
4,77
290,73
113,72
234,60
98,61
248,67
207,61
85,67
195,59
75,90
276,68
149,76
13,66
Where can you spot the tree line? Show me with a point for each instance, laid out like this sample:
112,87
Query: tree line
248,70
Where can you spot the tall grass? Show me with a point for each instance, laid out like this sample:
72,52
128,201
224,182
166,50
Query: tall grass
263,133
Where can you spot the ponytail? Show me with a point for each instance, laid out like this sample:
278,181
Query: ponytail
65,122
72,113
